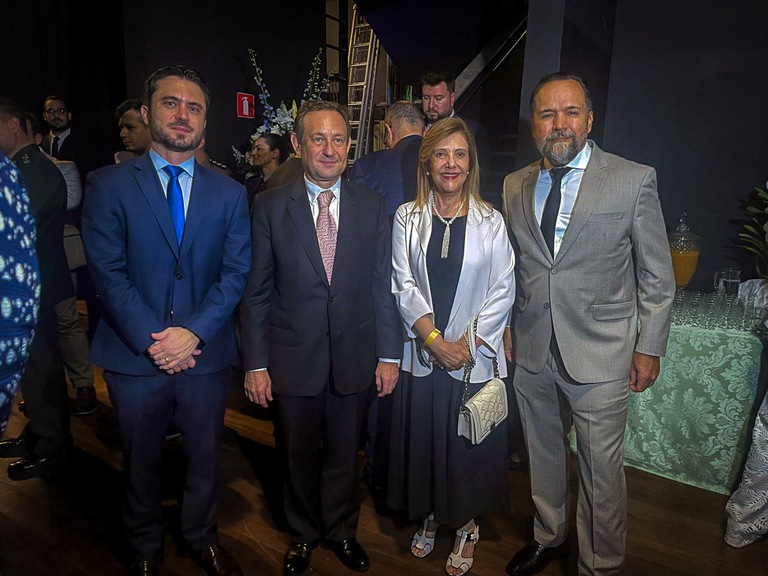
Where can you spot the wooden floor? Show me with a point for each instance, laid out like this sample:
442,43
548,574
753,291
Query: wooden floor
68,524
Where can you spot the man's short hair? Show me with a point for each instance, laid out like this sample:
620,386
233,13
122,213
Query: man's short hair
150,84
34,124
130,104
9,109
402,115
434,78
317,106
56,97
554,77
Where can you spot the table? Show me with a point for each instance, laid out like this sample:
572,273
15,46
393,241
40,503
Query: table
692,426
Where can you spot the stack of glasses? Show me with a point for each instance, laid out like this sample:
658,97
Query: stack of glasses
714,310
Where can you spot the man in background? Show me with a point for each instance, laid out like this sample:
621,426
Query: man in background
21,285
46,436
64,143
73,343
438,95
392,172
133,131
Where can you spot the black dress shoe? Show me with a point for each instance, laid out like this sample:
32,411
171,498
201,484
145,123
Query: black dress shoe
296,560
144,568
16,447
85,401
32,466
218,562
351,554
533,558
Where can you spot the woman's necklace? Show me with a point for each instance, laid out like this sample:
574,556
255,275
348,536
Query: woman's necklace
447,233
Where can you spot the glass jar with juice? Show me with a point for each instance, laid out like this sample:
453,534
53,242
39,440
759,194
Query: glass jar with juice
684,246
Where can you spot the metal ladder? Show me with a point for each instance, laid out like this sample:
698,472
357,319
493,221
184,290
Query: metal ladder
363,58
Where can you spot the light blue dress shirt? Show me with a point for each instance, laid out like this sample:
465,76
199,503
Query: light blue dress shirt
185,178
569,191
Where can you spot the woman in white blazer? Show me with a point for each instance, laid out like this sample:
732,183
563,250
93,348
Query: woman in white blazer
452,264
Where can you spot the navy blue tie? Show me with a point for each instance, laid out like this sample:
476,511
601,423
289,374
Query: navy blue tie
175,199
552,208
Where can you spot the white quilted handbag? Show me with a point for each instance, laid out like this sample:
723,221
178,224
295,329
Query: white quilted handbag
488,408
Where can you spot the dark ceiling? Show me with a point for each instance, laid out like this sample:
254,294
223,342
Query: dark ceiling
429,35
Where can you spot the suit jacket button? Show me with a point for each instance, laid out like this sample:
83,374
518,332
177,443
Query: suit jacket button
546,305
554,271
179,276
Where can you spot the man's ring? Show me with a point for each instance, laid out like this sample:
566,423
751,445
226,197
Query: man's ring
167,359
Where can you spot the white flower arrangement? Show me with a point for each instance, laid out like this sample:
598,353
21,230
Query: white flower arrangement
279,120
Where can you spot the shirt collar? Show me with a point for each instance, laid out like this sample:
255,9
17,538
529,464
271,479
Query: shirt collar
60,136
314,190
160,162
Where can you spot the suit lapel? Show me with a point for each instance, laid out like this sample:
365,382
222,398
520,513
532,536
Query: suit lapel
300,213
349,219
590,190
149,182
199,199
529,208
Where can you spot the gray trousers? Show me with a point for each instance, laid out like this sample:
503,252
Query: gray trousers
73,343
549,404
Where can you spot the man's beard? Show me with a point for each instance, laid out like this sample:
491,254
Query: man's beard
181,143
560,153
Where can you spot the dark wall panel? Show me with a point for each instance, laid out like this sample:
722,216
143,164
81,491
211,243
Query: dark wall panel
214,38
688,96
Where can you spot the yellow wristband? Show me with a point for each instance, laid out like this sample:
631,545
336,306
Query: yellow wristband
432,336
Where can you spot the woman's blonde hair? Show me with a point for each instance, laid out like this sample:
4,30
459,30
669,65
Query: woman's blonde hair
439,131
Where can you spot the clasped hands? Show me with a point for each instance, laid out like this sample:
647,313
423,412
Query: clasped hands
448,355
174,349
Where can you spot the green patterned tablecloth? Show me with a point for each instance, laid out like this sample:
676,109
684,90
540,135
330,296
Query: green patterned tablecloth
691,426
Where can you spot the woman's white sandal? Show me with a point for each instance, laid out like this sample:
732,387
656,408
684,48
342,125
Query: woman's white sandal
455,559
423,542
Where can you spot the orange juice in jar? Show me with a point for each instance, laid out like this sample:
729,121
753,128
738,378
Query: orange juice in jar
684,264
684,247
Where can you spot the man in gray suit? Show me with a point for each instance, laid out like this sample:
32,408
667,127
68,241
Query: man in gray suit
590,322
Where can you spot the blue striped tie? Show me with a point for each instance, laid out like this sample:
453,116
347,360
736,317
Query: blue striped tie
175,199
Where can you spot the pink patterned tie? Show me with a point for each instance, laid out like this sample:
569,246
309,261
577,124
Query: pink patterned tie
326,232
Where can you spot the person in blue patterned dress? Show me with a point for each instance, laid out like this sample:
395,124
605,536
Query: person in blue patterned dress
19,283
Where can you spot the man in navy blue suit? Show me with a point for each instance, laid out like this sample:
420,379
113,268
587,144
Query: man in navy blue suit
168,244
392,172
319,328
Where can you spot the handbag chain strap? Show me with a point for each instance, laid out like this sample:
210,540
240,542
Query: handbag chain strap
468,370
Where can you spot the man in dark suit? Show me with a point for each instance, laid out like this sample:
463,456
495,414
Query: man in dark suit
168,244
43,385
392,172
319,328
64,143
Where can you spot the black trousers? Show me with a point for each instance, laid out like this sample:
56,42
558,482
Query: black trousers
44,388
320,436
